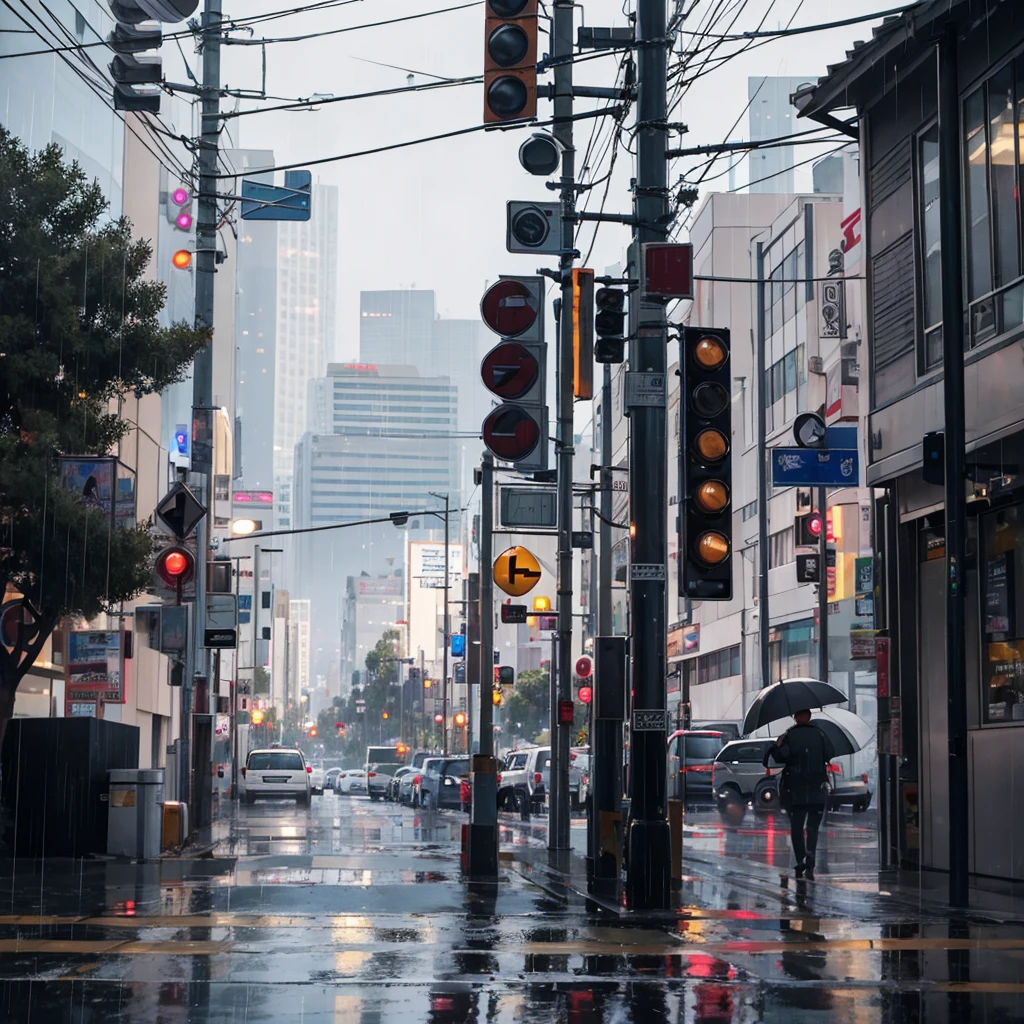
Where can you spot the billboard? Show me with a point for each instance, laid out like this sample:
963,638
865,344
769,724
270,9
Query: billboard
94,668
103,482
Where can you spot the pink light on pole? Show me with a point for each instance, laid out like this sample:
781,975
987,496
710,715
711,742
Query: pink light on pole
180,196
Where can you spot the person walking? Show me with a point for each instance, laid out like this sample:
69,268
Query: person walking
803,789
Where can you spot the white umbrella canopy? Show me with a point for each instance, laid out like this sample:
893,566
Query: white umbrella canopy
847,731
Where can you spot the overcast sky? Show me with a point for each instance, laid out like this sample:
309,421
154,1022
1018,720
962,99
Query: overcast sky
433,216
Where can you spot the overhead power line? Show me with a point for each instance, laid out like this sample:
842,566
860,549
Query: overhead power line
802,29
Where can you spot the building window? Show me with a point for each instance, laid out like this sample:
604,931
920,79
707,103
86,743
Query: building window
931,249
1002,625
780,548
716,665
749,511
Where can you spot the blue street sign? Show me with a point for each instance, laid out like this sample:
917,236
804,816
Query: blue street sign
458,645
261,201
815,467
841,437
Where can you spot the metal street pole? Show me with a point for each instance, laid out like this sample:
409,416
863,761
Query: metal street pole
822,586
447,634
202,372
604,561
762,477
647,881
558,805
955,467
483,834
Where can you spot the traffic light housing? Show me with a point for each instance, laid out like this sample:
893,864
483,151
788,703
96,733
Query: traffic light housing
496,698
515,370
583,334
179,208
609,325
705,465
807,529
510,60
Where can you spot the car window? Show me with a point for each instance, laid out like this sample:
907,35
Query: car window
275,760
460,767
698,747
515,762
543,762
745,752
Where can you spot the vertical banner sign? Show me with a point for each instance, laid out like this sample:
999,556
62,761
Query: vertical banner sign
94,669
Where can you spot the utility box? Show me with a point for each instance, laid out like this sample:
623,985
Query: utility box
135,815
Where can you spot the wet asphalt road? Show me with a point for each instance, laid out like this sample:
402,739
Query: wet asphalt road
352,911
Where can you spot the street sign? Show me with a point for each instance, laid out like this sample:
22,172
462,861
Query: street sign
516,571
509,370
533,227
815,467
513,432
808,568
650,721
511,306
640,571
583,540
221,625
514,613
263,201
179,510
645,389
528,506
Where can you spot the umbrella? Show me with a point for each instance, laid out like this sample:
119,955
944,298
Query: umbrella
783,700
847,731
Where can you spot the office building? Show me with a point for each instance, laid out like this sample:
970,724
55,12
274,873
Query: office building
771,116
307,296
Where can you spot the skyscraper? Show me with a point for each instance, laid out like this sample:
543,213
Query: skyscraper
771,116
307,298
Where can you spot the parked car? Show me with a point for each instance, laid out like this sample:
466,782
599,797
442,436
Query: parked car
524,771
316,782
855,792
417,785
730,730
439,786
738,777
381,764
352,781
407,786
579,778
331,778
691,753
276,772
393,788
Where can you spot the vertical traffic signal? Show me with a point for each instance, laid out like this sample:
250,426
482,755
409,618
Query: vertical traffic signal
176,566
808,529
515,370
705,466
510,60
609,324
583,334
137,78
179,209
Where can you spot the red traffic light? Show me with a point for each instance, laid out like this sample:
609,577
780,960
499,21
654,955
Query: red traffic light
339,725
312,732
439,718
511,432
566,711
176,565
585,694
509,370
584,666
814,524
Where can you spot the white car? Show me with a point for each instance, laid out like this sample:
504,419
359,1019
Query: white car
353,781
316,782
276,772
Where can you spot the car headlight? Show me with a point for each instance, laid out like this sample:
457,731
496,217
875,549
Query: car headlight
447,781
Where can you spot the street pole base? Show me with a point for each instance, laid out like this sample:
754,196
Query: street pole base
648,868
483,852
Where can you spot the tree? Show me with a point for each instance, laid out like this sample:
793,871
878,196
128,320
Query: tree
526,709
79,332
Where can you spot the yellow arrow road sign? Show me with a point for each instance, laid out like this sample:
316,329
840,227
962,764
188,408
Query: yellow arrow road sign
516,571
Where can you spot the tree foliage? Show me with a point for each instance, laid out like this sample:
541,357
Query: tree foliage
79,332
526,709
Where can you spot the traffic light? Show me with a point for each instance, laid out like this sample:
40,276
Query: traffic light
705,465
515,370
506,675
137,78
384,715
542,604
584,667
176,566
496,698
402,750
312,732
585,694
541,154
460,719
182,259
807,529
510,60
438,718
583,334
179,209
609,324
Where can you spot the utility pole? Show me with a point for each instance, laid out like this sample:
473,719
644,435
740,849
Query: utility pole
483,829
447,628
558,804
604,561
202,374
955,468
762,479
822,586
647,880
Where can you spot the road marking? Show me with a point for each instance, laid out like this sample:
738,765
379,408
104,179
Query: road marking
182,948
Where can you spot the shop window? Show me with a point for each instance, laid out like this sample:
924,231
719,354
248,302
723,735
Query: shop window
1002,616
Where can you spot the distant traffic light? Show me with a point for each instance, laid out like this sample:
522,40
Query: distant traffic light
542,604
179,209
182,259
496,698
510,60
585,694
584,667
401,750
808,529
506,675
609,325
439,718
705,465
384,715
460,719
176,566
312,732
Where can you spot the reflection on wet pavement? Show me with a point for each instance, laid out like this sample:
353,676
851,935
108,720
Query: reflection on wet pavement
351,911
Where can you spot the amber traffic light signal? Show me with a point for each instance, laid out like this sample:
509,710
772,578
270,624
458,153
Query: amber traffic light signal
705,466
510,60
460,719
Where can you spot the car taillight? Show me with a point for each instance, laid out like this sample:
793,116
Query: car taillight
499,778
371,775
309,769
536,778
416,781
864,778
835,769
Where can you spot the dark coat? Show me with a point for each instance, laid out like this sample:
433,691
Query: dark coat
805,751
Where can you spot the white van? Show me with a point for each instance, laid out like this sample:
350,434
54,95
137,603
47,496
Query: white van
276,772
